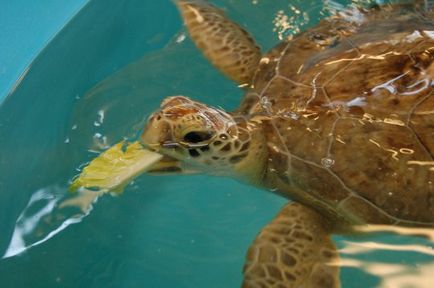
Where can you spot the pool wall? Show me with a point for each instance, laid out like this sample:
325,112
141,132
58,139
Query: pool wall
25,28
102,38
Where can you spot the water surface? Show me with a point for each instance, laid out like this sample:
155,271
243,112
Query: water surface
95,84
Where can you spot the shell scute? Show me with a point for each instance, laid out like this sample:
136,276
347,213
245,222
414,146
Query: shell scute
352,121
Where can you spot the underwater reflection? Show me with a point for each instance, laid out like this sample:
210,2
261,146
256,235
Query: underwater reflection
49,211
427,233
391,274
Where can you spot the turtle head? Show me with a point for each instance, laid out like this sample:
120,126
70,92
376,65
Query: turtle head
204,138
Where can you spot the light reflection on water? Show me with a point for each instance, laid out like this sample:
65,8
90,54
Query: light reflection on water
390,274
50,210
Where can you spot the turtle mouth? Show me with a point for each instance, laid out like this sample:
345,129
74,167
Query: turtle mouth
150,146
172,159
168,150
168,163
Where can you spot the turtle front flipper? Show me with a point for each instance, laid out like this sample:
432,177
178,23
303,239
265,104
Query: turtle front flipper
294,250
227,45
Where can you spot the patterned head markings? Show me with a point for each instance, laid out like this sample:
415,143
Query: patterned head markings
195,133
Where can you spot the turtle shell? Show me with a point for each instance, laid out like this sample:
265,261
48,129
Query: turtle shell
350,111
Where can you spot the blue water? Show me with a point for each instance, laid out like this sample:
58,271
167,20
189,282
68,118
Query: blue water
25,28
93,85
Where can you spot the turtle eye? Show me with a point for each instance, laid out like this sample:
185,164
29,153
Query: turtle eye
197,136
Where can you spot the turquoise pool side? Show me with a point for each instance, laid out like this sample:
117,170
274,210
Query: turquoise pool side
36,114
25,28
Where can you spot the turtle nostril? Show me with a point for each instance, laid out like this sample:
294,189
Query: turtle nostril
154,117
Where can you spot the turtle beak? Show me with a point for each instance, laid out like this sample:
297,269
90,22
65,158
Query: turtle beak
170,165
157,136
153,137
166,165
156,133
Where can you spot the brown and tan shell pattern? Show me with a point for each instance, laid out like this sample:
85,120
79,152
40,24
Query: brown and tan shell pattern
351,109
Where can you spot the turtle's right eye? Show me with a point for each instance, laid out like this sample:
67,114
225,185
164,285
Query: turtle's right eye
197,136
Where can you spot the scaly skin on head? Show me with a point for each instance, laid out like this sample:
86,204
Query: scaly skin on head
207,139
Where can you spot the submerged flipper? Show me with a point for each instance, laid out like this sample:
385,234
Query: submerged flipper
294,250
227,45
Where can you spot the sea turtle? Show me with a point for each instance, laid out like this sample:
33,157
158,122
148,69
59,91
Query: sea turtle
339,119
